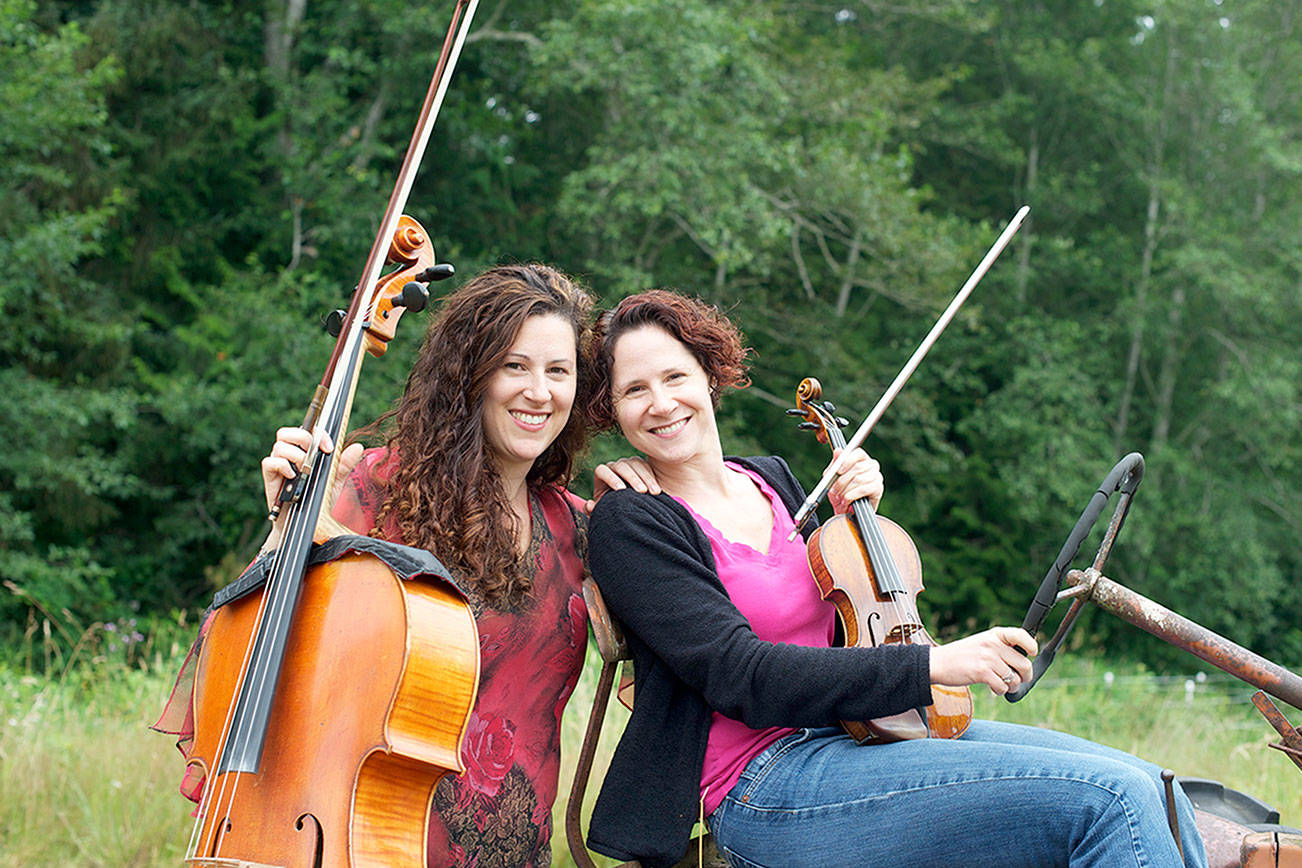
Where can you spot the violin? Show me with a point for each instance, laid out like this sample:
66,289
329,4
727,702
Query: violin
329,701
868,567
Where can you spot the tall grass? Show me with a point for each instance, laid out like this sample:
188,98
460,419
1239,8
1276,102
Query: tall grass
1199,724
84,783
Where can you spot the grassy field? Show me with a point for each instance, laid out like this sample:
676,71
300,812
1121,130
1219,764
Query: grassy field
84,783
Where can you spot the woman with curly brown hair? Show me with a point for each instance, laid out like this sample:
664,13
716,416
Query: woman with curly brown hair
738,690
477,454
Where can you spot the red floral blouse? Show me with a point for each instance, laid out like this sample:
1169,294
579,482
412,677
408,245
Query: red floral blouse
498,814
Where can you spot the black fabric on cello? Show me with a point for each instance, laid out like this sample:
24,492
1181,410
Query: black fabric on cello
405,561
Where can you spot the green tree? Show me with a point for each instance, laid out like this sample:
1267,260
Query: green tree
66,415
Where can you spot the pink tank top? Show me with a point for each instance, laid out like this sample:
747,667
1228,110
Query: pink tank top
775,591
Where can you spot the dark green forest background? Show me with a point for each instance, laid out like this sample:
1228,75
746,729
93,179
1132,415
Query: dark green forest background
186,188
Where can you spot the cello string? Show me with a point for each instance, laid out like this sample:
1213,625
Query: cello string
337,398
273,612
229,740
282,587
223,740
285,583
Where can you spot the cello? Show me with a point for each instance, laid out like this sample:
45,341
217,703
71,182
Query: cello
333,690
868,567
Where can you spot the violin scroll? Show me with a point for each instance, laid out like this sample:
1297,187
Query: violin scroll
817,413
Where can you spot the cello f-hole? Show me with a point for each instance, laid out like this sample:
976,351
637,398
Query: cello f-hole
319,847
220,830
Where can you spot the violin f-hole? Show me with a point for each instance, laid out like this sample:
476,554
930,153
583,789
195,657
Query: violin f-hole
872,634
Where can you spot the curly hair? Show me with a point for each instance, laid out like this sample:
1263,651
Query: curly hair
711,337
443,494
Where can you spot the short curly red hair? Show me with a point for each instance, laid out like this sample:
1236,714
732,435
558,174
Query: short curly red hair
711,337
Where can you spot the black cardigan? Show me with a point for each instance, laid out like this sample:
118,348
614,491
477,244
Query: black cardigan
693,652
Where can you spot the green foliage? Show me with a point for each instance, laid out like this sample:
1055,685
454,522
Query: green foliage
213,172
63,410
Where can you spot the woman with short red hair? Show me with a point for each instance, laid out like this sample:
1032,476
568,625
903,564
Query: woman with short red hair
738,690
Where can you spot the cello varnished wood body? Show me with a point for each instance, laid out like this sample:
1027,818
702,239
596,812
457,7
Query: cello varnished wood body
373,701
328,704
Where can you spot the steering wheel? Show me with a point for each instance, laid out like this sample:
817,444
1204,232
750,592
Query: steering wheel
1124,477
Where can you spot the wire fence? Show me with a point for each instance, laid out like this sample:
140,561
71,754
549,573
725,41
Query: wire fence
1192,689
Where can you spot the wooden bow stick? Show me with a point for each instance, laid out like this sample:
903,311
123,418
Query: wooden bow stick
811,502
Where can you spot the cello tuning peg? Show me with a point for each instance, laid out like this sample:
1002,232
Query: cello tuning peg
414,296
334,323
442,271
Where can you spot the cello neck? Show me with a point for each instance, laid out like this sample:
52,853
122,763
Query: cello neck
251,715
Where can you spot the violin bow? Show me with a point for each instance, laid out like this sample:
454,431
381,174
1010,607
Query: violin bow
811,502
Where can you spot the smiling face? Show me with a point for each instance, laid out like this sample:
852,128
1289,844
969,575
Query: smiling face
662,398
529,396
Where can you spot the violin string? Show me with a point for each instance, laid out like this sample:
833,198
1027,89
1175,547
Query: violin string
888,578
904,616
883,564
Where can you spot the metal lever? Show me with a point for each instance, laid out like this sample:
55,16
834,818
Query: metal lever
1168,782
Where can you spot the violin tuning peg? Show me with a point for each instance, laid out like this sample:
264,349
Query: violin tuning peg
414,297
793,411
841,421
334,323
808,426
442,271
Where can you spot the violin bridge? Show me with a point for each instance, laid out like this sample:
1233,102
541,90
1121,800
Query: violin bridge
902,634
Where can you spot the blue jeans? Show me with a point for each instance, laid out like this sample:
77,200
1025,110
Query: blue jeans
1002,796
